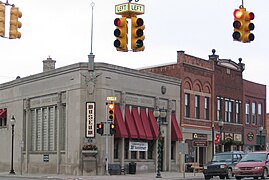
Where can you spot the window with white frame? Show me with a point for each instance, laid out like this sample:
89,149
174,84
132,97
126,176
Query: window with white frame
237,112
247,120
260,114
206,108
226,111
187,105
253,113
219,109
230,110
197,107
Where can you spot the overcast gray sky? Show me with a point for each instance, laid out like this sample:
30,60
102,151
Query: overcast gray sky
61,29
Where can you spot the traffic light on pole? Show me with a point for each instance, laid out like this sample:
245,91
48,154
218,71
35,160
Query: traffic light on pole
111,111
2,20
121,33
100,128
112,128
137,36
248,27
15,24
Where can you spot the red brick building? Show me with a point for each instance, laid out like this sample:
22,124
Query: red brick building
212,92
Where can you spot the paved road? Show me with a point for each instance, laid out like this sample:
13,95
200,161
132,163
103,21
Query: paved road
146,176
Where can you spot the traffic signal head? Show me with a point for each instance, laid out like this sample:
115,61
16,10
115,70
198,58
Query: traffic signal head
243,26
112,129
111,111
137,36
15,24
2,20
100,128
121,33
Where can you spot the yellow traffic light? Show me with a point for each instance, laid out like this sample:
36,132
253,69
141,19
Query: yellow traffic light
2,20
111,111
112,128
137,36
15,24
121,33
243,26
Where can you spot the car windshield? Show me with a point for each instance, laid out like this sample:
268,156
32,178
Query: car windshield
222,158
254,157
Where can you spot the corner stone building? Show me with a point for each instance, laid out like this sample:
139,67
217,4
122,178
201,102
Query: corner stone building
56,113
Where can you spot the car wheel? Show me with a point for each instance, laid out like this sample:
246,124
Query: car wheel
229,174
222,177
237,178
264,174
207,177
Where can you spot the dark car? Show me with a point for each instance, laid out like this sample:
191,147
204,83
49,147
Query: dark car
222,165
253,164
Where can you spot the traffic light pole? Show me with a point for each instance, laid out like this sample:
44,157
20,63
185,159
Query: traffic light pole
106,130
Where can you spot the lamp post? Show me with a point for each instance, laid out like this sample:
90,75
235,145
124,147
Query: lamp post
221,123
12,122
260,130
159,115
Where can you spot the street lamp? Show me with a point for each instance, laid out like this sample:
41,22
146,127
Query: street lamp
260,130
221,123
159,114
12,122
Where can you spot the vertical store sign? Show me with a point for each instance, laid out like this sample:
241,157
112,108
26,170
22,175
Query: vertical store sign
90,119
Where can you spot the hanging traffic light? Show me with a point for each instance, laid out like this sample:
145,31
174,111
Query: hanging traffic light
112,129
2,20
15,24
100,128
111,111
248,26
243,26
137,36
121,33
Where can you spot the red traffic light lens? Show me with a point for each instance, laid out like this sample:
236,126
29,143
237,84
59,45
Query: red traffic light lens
99,126
110,106
238,13
117,22
251,16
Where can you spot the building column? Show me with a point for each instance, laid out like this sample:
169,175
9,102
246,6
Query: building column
27,133
169,119
59,123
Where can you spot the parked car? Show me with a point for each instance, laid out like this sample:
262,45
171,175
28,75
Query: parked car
253,164
222,165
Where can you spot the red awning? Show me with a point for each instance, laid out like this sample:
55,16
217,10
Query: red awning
138,123
121,131
146,124
130,124
3,113
176,134
153,125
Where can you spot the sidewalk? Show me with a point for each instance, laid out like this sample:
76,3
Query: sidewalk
144,176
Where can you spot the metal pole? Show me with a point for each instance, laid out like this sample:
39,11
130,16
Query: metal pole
260,140
159,150
220,130
92,5
213,143
12,149
106,134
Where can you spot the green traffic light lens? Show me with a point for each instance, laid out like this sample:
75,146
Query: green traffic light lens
251,37
139,43
117,43
236,35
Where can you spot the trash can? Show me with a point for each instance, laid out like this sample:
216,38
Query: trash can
132,168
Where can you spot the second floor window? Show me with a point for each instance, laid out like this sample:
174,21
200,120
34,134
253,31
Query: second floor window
219,110
187,105
237,112
197,107
207,108
247,113
260,114
253,113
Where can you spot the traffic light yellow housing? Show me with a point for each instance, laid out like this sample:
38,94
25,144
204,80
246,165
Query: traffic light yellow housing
111,111
121,33
2,20
15,24
137,36
243,26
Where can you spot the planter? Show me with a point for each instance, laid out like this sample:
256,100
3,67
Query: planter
89,152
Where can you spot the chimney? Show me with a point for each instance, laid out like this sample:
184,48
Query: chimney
48,64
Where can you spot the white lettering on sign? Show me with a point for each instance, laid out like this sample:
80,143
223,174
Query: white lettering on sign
137,8
138,146
121,8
